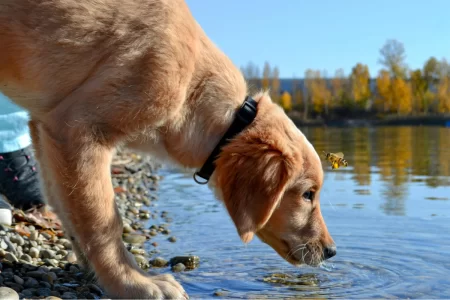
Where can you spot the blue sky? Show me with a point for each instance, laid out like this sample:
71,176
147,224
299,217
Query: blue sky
324,34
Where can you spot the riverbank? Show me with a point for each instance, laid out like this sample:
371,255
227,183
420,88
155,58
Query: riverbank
37,259
372,121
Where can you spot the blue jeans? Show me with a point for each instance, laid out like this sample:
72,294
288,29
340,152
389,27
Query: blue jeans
14,131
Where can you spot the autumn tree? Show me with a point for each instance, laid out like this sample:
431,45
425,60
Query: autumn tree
360,79
309,80
384,91
401,95
338,87
443,94
319,93
286,101
419,89
275,85
393,58
267,74
443,90
252,75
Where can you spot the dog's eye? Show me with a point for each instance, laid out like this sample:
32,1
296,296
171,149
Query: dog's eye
309,195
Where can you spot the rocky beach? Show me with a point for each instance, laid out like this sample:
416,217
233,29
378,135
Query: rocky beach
36,257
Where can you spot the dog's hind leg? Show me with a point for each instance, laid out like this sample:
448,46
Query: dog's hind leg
77,164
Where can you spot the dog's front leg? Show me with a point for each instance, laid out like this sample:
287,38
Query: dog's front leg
78,166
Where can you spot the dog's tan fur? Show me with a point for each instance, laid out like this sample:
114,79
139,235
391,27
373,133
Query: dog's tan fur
98,73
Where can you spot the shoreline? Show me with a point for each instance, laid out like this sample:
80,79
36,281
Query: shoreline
36,258
441,121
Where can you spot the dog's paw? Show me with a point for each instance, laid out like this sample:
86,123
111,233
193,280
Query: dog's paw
166,287
148,287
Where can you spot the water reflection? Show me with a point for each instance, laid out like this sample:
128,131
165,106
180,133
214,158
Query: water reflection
395,156
387,212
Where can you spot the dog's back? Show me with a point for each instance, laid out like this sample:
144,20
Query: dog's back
51,48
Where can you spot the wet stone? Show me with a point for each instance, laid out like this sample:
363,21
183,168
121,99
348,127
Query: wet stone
172,239
159,262
134,239
191,262
179,267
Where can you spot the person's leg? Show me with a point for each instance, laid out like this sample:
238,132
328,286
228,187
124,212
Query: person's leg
19,182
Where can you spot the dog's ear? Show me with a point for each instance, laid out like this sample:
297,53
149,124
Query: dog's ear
252,176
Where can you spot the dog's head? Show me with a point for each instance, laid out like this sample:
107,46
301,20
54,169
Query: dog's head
269,178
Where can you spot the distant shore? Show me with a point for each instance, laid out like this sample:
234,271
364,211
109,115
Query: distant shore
442,121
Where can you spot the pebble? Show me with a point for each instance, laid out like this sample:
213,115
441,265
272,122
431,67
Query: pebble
44,292
34,236
221,293
172,239
159,262
142,261
46,253
191,261
18,280
26,258
179,267
31,283
7,293
134,239
11,257
69,295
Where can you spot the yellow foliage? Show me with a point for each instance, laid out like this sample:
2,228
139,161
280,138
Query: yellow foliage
443,94
402,95
286,101
320,94
266,76
360,84
419,88
275,85
384,99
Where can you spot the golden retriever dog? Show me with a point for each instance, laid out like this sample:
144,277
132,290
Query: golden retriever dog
95,74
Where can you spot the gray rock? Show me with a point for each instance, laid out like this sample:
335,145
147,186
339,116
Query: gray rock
172,239
26,258
34,252
43,292
68,295
45,284
3,245
159,262
35,274
31,283
7,293
17,239
34,236
18,280
179,267
134,239
51,262
11,257
46,253
28,292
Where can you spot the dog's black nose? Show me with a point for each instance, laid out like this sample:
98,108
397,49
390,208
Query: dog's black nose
329,252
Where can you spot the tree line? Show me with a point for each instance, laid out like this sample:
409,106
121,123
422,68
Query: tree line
396,89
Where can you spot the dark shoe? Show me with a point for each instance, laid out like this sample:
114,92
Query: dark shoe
19,179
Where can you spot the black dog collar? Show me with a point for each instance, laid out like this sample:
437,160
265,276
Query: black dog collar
244,117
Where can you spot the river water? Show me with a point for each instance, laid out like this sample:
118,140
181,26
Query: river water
388,212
